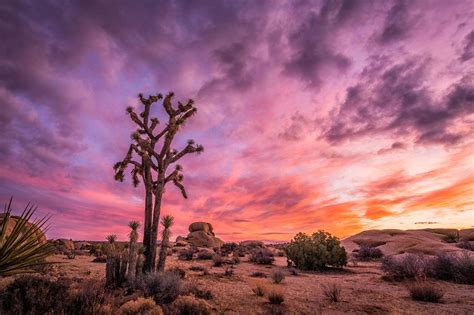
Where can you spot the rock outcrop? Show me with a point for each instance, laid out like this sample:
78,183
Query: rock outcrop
201,234
39,235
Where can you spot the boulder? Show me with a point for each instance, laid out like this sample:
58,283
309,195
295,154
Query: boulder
203,239
201,226
64,246
201,234
39,235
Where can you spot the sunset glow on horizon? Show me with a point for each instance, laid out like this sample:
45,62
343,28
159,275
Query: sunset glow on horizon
335,115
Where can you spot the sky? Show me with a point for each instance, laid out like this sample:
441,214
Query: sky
334,115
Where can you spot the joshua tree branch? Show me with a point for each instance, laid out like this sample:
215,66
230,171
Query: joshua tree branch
181,187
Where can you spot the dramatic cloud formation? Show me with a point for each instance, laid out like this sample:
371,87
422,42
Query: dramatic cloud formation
336,115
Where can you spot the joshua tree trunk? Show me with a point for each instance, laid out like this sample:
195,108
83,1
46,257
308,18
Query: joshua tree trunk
155,162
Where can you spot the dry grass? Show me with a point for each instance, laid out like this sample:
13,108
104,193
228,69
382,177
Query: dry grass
332,291
425,291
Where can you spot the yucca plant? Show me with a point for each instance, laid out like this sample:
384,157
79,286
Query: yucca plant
167,221
133,251
20,250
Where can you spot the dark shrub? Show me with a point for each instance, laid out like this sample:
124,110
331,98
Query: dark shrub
259,289
204,255
452,237
458,267
186,254
409,266
228,272
466,245
88,298
179,271
258,274
277,276
425,291
228,248
217,260
262,256
293,271
275,296
366,253
197,268
164,287
315,252
34,295
203,294
332,291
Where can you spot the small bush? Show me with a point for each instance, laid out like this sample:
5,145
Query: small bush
277,276
332,291
228,248
179,271
315,252
465,245
88,298
217,260
197,268
452,237
186,254
204,255
259,289
425,291
293,271
453,267
228,272
275,296
262,256
203,294
34,295
164,287
258,274
409,266
140,306
189,305
367,253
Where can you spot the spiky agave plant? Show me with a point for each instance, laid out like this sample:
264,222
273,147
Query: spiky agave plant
20,250
167,221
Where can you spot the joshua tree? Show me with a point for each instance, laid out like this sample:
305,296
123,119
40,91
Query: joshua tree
111,239
133,250
154,157
167,222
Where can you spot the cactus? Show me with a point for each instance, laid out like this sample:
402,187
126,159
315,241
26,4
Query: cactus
154,159
133,251
167,222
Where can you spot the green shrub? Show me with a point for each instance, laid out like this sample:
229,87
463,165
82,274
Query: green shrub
366,253
315,252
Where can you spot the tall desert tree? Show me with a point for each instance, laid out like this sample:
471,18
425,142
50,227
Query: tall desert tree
153,161
167,222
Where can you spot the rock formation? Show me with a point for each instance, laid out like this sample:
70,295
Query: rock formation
39,235
201,234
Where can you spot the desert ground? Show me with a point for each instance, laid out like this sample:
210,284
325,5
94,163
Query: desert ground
363,289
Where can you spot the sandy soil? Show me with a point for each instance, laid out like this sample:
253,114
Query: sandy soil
363,290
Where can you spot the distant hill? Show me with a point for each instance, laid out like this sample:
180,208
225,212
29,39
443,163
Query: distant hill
426,241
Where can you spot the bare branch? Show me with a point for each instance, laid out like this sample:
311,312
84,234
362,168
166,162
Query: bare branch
181,187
